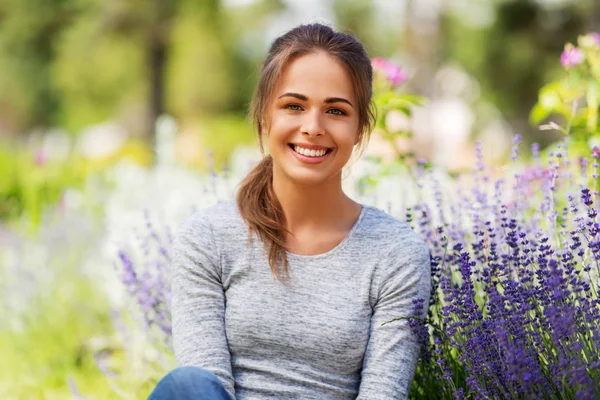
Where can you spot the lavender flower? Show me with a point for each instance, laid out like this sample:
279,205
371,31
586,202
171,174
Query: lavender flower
517,302
147,281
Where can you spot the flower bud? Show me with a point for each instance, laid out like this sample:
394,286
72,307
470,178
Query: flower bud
571,57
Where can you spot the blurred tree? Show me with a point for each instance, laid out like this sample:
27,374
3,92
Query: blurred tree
517,53
200,80
357,18
361,18
246,25
148,25
424,41
99,75
185,57
78,62
29,33
594,21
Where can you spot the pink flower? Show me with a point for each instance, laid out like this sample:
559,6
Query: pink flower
571,57
39,157
392,72
596,37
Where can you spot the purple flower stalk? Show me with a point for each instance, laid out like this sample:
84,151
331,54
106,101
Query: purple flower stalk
516,312
147,280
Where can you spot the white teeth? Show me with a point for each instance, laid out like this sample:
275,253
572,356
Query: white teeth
309,153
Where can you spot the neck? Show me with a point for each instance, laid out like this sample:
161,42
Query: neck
306,206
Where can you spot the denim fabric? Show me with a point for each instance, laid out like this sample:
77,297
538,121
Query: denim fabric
189,383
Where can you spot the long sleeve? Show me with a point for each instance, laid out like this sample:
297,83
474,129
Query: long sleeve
198,301
392,351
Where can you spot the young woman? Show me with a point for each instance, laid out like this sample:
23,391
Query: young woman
282,294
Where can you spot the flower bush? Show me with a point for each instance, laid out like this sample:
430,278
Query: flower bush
37,176
54,313
141,215
575,97
388,96
515,311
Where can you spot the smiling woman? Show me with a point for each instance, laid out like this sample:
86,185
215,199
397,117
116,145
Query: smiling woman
284,293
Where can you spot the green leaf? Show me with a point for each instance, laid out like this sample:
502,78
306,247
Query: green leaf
549,97
538,114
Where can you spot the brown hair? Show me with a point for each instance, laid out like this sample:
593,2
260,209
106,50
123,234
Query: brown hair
256,199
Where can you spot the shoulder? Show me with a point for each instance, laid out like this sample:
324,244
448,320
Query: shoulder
386,230
222,213
403,263
214,220
395,239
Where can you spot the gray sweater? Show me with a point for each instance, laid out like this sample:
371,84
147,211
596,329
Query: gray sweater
319,337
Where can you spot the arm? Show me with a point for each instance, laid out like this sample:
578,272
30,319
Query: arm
198,302
392,351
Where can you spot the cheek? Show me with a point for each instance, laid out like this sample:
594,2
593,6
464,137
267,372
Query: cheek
346,134
280,125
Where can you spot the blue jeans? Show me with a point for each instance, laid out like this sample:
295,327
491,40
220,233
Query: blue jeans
189,383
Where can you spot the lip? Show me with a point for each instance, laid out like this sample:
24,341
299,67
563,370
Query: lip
311,146
311,160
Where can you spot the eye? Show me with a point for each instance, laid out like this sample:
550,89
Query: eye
336,111
293,107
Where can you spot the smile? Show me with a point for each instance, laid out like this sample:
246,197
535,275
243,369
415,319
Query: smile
310,155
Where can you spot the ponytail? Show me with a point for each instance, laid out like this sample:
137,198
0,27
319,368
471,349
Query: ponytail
263,214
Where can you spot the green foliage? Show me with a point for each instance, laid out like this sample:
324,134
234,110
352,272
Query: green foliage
388,96
574,98
30,182
27,187
58,324
220,137
72,63
96,74
510,48
54,345
29,30
198,51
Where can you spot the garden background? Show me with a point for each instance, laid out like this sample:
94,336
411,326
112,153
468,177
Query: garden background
119,118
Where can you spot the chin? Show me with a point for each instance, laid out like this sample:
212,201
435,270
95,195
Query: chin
311,178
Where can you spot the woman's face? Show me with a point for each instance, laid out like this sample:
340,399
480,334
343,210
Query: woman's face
312,120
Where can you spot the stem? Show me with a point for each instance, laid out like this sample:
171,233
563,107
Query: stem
592,108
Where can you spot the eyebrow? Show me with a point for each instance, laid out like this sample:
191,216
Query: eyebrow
328,100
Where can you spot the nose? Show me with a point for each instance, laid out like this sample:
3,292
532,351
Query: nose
312,125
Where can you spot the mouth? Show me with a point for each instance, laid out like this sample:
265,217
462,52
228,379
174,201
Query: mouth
318,153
